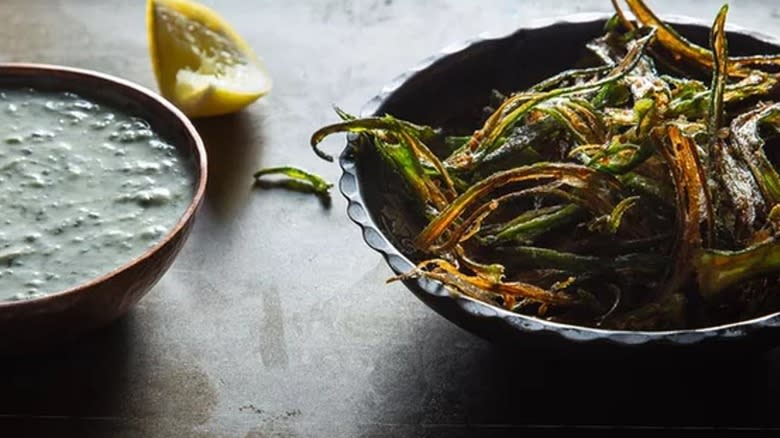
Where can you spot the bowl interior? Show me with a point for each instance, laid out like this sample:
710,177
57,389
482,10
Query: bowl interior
451,91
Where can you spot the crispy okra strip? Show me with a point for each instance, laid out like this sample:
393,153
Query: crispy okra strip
297,175
597,184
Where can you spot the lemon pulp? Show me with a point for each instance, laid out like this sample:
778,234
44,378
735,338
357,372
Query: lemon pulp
201,64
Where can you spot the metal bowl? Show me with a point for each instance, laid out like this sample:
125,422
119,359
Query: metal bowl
445,90
60,317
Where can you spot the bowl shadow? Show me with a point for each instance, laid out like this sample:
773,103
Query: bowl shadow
234,143
447,383
83,378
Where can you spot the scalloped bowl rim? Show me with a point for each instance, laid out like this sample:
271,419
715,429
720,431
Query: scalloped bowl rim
350,188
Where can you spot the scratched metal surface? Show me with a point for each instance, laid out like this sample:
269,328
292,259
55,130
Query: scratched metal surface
275,321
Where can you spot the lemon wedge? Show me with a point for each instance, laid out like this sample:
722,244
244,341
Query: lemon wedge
201,63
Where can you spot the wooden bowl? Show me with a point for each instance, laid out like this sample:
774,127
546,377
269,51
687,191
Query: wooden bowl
59,317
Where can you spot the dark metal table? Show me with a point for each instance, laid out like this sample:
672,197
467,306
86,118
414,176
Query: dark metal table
275,320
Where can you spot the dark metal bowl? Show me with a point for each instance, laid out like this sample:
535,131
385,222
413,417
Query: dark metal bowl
59,317
445,90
